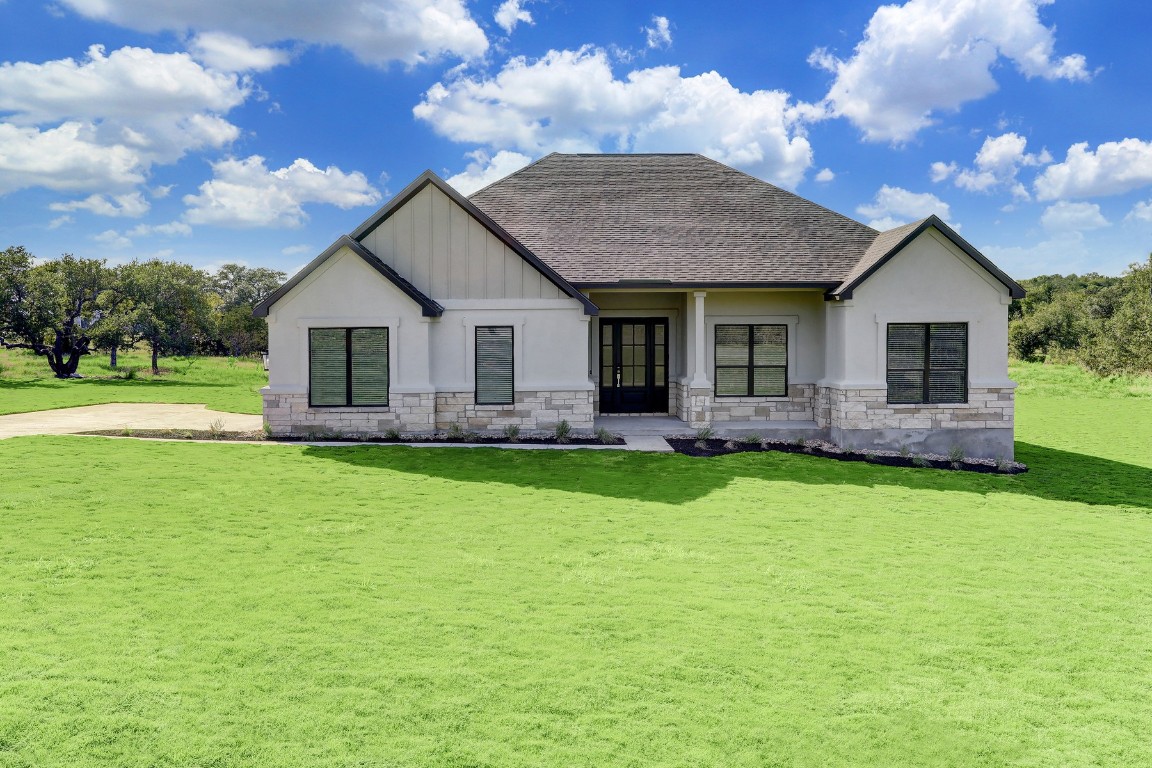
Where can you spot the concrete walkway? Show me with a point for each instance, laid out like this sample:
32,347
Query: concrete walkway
88,418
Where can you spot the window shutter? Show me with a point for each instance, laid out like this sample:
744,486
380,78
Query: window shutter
369,366
494,366
328,366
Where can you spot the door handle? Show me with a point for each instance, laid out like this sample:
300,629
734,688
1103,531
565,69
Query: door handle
619,373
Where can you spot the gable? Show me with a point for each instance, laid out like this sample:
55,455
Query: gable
448,249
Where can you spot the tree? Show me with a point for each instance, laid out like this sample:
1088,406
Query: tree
1124,341
240,289
165,304
52,308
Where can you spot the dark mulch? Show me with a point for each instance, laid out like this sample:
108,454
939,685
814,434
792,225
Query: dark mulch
721,447
223,436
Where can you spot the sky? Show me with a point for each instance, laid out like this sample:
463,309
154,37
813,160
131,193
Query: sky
259,131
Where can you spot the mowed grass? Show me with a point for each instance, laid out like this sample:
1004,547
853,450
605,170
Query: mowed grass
169,604
221,383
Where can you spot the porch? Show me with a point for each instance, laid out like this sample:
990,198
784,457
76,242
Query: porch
668,425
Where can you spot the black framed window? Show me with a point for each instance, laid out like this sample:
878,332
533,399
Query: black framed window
348,366
927,363
494,368
751,360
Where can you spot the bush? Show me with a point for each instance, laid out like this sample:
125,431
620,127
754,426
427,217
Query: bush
512,432
563,431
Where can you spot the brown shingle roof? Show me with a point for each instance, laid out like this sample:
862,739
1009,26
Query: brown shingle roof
685,219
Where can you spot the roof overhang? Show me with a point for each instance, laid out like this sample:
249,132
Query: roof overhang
706,285
428,307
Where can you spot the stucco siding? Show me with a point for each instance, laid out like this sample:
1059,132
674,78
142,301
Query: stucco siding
448,254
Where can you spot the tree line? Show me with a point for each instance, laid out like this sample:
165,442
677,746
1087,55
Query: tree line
70,307
1102,323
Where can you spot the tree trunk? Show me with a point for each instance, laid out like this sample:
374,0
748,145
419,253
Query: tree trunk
112,358
155,360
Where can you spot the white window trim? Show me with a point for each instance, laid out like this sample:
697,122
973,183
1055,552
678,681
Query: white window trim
792,321
305,324
495,319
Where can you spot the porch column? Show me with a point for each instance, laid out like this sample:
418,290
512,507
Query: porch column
700,364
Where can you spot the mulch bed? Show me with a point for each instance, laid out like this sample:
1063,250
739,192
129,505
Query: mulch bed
224,436
690,446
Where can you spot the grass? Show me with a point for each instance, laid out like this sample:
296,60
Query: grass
221,383
238,605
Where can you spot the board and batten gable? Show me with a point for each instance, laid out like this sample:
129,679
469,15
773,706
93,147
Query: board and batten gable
344,292
929,280
447,253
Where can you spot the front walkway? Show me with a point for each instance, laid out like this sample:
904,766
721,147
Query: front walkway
89,418
668,426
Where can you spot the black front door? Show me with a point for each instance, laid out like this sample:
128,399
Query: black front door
634,365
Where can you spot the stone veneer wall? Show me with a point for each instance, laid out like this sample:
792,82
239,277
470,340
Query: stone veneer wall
428,412
797,406
532,411
862,418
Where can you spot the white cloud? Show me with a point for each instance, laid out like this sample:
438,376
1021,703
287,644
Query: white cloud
997,164
825,175
510,13
244,193
485,169
112,239
1068,217
1142,211
375,31
931,55
570,101
1112,168
99,124
894,206
296,250
132,205
171,228
60,221
659,35
230,53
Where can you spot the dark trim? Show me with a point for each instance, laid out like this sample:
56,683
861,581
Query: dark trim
926,371
348,366
476,365
429,308
428,177
751,367
1015,290
679,285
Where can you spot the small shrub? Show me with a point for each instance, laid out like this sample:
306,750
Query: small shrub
752,439
1001,464
956,455
470,437
869,455
128,374
126,432
704,433
605,437
216,429
392,434
904,451
454,433
512,432
186,435
266,428
563,431
920,461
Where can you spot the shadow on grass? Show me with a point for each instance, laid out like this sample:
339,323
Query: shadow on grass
61,383
675,479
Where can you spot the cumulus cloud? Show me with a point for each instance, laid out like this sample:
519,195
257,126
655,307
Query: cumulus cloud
1068,217
296,250
510,13
825,175
1142,211
894,206
113,239
244,193
100,123
230,53
132,205
571,101
171,228
375,31
485,169
996,166
1113,168
659,35
930,55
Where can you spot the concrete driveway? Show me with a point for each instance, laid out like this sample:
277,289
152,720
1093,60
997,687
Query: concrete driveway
86,418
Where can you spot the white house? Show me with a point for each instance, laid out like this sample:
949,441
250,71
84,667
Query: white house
657,284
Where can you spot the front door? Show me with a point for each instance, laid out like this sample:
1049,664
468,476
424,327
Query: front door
634,365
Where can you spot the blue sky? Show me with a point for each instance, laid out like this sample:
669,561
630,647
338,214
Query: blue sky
258,131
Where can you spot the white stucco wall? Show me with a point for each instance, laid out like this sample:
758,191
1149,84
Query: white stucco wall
801,311
931,280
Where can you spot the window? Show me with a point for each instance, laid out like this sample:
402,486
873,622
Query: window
927,362
494,384
348,366
751,360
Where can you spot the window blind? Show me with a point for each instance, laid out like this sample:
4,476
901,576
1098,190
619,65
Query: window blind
751,360
494,366
927,363
348,366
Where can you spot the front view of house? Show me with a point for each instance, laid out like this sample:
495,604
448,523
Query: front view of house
586,285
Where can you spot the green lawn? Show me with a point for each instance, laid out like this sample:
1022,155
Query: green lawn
171,604
221,383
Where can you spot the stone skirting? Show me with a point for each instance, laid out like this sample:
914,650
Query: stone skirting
862,418
532,411
427,412
291,415
797,406
694,406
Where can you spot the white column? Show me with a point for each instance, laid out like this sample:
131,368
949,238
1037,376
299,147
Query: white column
699,366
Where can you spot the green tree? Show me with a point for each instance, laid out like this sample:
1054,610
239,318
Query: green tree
52,308
240,289
166,305
1123,343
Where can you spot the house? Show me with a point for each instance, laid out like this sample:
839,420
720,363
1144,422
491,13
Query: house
585,285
